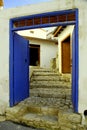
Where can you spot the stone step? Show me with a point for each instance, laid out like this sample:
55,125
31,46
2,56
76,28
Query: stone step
40,121
38,73
37,121
42,73
50,92
50,85
59,103
49,106
43,110
51,77
64,121
44,70
62,104
45,118
39,117
46,73
23,108
52,82
33,113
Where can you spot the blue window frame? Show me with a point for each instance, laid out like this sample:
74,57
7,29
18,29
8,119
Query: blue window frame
20,23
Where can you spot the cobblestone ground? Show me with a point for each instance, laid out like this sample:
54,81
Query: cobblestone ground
7,125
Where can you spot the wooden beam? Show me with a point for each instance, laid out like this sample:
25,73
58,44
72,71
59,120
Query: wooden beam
58,29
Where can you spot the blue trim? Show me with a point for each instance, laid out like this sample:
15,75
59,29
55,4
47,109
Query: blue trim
44,25
76,62
75,51
48,14
11,65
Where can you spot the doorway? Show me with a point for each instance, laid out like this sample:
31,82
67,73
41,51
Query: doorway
50,19
66,56
34,55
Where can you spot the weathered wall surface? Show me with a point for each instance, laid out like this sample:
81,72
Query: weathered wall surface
4,63
45,47
82,54
54,5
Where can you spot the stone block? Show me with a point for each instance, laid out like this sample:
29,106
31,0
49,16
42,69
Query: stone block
17,110
65,128
81,127
49,111
69,120
68,126
2,118
13,118
34,109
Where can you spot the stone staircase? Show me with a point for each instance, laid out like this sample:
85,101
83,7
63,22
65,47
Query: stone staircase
49,106
52,89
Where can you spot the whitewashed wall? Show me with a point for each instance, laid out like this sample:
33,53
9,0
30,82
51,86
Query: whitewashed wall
38,33
48,50
45,45
4,64
82,54
53,5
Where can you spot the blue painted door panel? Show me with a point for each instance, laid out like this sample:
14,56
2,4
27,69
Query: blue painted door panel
21,69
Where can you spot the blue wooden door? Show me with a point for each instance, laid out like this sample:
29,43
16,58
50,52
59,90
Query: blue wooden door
21,69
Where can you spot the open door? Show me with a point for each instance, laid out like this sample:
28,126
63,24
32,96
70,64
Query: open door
21,69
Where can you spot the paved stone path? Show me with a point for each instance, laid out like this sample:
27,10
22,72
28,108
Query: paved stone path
7,125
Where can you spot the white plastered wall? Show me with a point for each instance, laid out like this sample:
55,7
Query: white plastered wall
4,64
39,33
54,5
82,54
48,51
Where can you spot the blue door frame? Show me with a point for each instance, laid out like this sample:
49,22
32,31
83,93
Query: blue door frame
75,49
